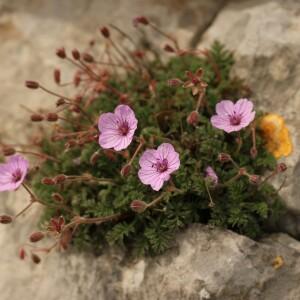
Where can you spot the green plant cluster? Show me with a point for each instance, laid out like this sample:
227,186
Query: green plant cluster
239,205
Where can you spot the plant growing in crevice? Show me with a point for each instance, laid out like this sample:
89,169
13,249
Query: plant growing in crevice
144,148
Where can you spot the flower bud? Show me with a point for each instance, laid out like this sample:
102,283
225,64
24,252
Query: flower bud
61,53
87,57
174,82
242,171
65,239
125,171
22,253
94,158
110,154
138,206
77,80
224,157
105,32
253,152
5,219
280,168
139,54
8,151
36,236
37,118
193,118
52,117
60,102
254,179
140,20
32,84
35,258
60,178
169,48
57,197
76,54
48,181
56,76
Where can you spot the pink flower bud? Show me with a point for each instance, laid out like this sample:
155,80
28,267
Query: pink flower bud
61,53
174,82
169,48
56,76
52,117
125,171
254,179
60,102
57,197
48,181
224,157
138,206
36,236
65,239
5,219
22,253
95,156
193,118
8,151
32,84
87,57
37,118
253,152
281,167
105,32
35,258
140,20
76,54
60,178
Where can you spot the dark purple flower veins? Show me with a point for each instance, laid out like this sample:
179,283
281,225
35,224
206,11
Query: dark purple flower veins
161,165
16,175
235,119
123,128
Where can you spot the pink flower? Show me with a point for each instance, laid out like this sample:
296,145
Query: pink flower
12,173
157,165
233,116
211,175
117,129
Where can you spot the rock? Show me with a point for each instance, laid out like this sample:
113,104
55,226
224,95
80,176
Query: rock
208,264
264,36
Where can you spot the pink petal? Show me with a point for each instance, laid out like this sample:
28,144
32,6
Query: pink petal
247,119
123,143
148,159
107,121
164,150
243,107
220,122
125,113
109,139
225,108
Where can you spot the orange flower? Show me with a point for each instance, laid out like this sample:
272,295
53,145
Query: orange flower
276,134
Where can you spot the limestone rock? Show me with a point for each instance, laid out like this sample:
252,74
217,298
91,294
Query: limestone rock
264,36
208,264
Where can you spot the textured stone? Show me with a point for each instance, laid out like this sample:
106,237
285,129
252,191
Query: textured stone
208,264
264,36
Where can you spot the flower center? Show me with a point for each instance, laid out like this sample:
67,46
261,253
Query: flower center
123,128
161,165
235,119
16,175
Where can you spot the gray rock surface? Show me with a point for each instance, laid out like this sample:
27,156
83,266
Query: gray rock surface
264,36
209,263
